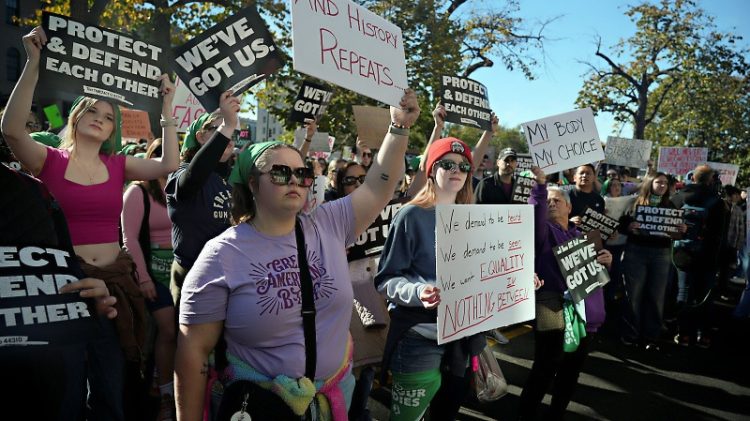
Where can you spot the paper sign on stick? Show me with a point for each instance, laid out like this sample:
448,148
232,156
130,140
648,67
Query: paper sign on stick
727,172
312,100
52,112
485,267
185,107
466,102
135,124
372,124
678,161
563,141
346,44
627,152
578,265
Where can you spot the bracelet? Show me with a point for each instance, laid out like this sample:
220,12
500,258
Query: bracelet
170,122
398,130
308,140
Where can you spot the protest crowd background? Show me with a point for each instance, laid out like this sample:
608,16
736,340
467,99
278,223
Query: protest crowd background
378,232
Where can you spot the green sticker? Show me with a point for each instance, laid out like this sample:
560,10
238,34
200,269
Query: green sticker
53,116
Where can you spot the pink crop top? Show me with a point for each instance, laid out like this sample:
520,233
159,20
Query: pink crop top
92,212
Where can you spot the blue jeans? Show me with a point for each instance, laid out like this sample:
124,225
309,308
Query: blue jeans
106,368
743,307
646,277
414,353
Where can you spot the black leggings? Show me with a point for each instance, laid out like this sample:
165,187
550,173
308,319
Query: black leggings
451,395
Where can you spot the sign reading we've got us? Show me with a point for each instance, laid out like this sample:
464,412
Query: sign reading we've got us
578,265
485,267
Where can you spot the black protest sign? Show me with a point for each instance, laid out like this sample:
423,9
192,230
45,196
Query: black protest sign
578,265
232,55
83,59
593,220
655,220
370,243
525,162
522,189
34,312
466,102
312,100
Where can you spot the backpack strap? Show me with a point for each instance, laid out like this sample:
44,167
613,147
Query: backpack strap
308,304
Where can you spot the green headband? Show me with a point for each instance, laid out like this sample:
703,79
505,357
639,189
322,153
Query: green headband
47,138
246,160
193,129
106,148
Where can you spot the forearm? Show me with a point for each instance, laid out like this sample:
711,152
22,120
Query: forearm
481,148
191,375
203,164
305,148
170,155
387,168
401,291
19,104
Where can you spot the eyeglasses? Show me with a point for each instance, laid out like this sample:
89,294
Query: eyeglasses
453,166
210,128
34,127
367,154
281,175
350,180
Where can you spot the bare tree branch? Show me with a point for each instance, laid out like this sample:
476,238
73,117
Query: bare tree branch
614,66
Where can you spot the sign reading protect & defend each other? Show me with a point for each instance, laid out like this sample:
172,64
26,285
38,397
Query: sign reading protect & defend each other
655,220
466,102
593,220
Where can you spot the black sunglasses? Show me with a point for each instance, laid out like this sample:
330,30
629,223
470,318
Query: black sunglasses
350,180
453,166
367,154
281,175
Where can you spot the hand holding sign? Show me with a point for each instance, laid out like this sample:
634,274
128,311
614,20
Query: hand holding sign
96,289
167,91
430,296
408,113
438,114
229,106
33,43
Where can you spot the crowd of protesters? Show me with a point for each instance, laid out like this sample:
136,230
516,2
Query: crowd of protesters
220,291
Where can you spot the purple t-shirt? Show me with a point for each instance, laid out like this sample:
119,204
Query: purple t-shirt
251,282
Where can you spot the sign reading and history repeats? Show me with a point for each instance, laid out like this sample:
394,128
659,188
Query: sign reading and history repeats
678,160
655,220
627,152
312,100
578,265
370,243
466,102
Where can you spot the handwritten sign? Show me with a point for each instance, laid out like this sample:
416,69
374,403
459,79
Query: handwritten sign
316,194
676,160
135,124
372,124
312,100
727,172
593,220
86,59
466,102
627,152
485,267
563,141
346,44
185,107
525,162
522,189
658,221
578,265
232,55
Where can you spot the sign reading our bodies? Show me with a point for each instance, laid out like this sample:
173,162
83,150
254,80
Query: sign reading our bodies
522,189
659,221
593,220
677,160
232,55
627,152
466,102
370,243
563,141
312,100
578,265
485,267
346,44
32,311
82,59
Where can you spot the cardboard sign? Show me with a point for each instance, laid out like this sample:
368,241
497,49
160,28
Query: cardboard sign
524,163
578,265
372,124
678,161
321,141
343,43
727,172
522,189
627,152
312,100
466,102
34,312
593,220
232,55
135,124
485,267
370,243
563,141
185,107
52,112
658,221
82,59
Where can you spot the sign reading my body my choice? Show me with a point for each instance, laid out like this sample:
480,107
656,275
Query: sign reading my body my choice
232,55
82,59
466,102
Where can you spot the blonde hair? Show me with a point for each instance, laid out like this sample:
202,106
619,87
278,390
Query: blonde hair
69,139
427,196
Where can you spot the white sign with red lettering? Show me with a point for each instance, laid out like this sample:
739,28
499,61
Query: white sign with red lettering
678,160
346,44
485,268
727,172
185,107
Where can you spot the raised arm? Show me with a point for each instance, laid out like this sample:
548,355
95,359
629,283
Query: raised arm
420,176
194,343
484,142
539,200
311,127
388,166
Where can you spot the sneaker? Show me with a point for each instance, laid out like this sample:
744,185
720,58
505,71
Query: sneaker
498,337
166,410
682,340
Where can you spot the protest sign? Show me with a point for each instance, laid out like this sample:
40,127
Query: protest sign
185,107
312,100
658,221
83,59
321,141
485,267
524,163
316,194
135,125
52,112
627,152
522,189
593,220
466,102
232,55
678,161
563,141
578,265
372,124
34,312
370,243
727,172
343,43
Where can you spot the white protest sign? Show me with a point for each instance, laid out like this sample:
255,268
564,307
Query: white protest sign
485,267
727,172
185,107
563,141
627,152
677,160
346,44
316,194
321,142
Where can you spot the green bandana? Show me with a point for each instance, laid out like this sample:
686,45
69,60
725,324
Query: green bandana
47,138
246,160
106,148
193,129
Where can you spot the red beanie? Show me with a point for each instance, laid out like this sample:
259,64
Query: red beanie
444,146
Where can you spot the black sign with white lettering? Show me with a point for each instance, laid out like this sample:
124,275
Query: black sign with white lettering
232,55
312,100
370,243
593,220
466,102
82,59
578,265
655,220
32,311
525,162
522,189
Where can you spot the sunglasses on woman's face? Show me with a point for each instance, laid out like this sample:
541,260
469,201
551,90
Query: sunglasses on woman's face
350,180
453,166
281,175
367,154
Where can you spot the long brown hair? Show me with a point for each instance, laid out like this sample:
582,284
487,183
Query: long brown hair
646,191
427,196
69,139
152,186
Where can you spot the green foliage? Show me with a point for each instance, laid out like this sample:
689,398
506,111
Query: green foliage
505,137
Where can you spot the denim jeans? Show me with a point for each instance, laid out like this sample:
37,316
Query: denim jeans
646,279
106,368
743,307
